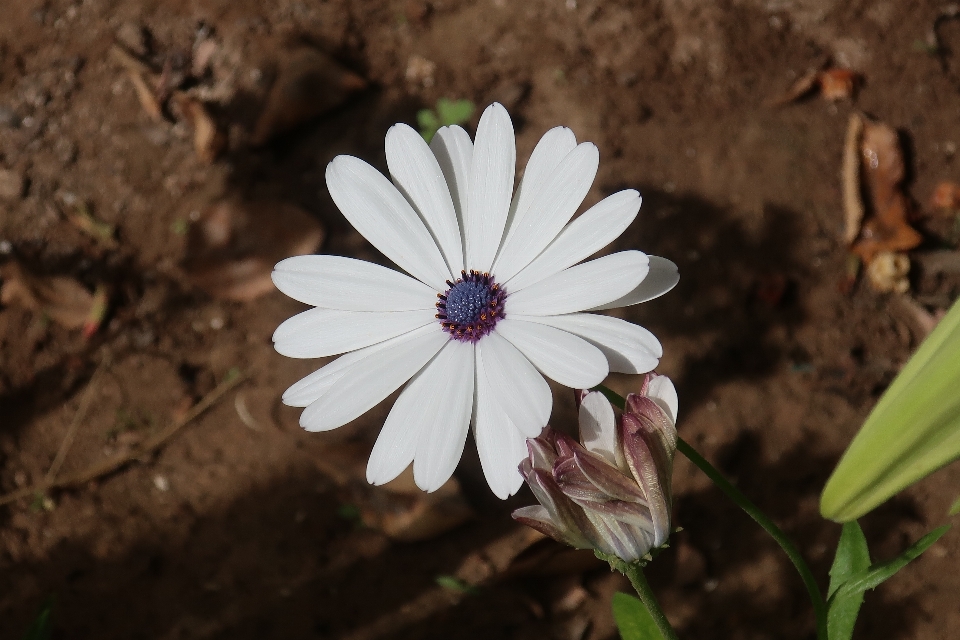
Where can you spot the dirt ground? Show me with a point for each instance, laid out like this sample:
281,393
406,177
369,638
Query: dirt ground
244,526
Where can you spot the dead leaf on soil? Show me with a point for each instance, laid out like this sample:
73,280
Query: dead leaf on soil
232,248
208,140
888,271
309,84
142,77
882,170
62,299
833,84
837,84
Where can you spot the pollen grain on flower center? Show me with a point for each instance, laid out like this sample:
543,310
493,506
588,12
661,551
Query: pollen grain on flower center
471,306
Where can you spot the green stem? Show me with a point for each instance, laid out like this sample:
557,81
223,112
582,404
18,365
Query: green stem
634,573
816,597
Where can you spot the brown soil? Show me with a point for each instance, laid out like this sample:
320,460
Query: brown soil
238,531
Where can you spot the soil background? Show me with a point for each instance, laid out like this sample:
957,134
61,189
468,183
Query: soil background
245,526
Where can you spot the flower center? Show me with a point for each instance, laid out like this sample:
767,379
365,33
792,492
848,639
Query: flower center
471,307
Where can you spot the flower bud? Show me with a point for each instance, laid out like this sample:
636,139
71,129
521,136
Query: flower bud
610,491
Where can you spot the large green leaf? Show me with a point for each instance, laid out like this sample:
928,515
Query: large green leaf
852,558
912,431
633,620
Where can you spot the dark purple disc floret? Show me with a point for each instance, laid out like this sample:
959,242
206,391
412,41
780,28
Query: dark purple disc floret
471,307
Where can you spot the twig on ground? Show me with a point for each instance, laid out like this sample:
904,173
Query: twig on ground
75,424
115,462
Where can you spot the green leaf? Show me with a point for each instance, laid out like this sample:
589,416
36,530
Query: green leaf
954,508
454,111
876,574
42,626
428,122
633,619
912,431
456,584
853,557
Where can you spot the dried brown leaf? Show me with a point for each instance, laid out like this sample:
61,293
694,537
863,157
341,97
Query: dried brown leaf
797,90
148,99
310,83
232,248
208,140
62,299
837,84
882,166
202,55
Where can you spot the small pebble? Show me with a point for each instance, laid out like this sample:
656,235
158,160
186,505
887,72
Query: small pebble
161,483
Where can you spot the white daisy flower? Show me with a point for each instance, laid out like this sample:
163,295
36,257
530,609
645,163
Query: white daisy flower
494,301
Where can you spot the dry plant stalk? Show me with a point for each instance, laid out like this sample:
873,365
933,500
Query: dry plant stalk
853,209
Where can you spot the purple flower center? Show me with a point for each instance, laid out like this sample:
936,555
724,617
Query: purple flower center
471,307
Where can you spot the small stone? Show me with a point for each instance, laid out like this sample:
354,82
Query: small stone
161,483
11,184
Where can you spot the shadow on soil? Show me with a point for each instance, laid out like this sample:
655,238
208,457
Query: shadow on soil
259,570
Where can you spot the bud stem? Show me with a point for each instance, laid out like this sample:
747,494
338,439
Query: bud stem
634,572
816,597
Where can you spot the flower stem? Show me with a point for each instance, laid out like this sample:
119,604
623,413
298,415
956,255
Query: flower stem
634,573
816,598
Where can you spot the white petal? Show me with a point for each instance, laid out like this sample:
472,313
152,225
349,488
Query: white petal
521,391
663,277
662,391
629,348
442,401
454,152
598,426
418,176
345,283
500,444
591,231
307,390
376,209
549,210
561,356
580,287
318,333
552,148
491,185
425,403
368,379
